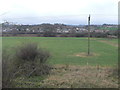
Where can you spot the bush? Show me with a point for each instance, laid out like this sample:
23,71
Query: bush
31,52
31,60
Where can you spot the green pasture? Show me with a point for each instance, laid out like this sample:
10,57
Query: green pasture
108,28
63,50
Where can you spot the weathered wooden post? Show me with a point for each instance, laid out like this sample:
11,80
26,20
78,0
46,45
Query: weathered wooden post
89,35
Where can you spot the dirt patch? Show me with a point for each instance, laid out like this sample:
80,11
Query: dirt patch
83,54
108,42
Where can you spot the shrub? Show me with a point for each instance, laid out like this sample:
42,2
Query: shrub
31,60
27,52
31,52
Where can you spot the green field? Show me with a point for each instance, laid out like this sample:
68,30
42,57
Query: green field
108,28
64,50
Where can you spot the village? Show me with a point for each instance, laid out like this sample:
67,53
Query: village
58,29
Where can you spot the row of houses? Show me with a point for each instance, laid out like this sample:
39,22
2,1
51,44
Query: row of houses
59,28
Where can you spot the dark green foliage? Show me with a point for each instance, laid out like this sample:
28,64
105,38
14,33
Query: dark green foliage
49,30
49,34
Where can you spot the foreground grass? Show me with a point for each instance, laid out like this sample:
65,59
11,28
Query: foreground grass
72,76
65,50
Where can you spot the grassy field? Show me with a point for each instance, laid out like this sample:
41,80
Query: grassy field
72,68
71,50
108,28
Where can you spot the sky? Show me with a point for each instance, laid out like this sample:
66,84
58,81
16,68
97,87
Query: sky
71,12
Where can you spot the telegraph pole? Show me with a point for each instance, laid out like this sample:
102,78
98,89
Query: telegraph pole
89,35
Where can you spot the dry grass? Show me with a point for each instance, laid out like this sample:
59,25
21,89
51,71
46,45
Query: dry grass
65,76
83,54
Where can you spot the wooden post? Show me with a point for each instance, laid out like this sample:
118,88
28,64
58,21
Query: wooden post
89,35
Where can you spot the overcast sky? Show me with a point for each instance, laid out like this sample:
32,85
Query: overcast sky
59,11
